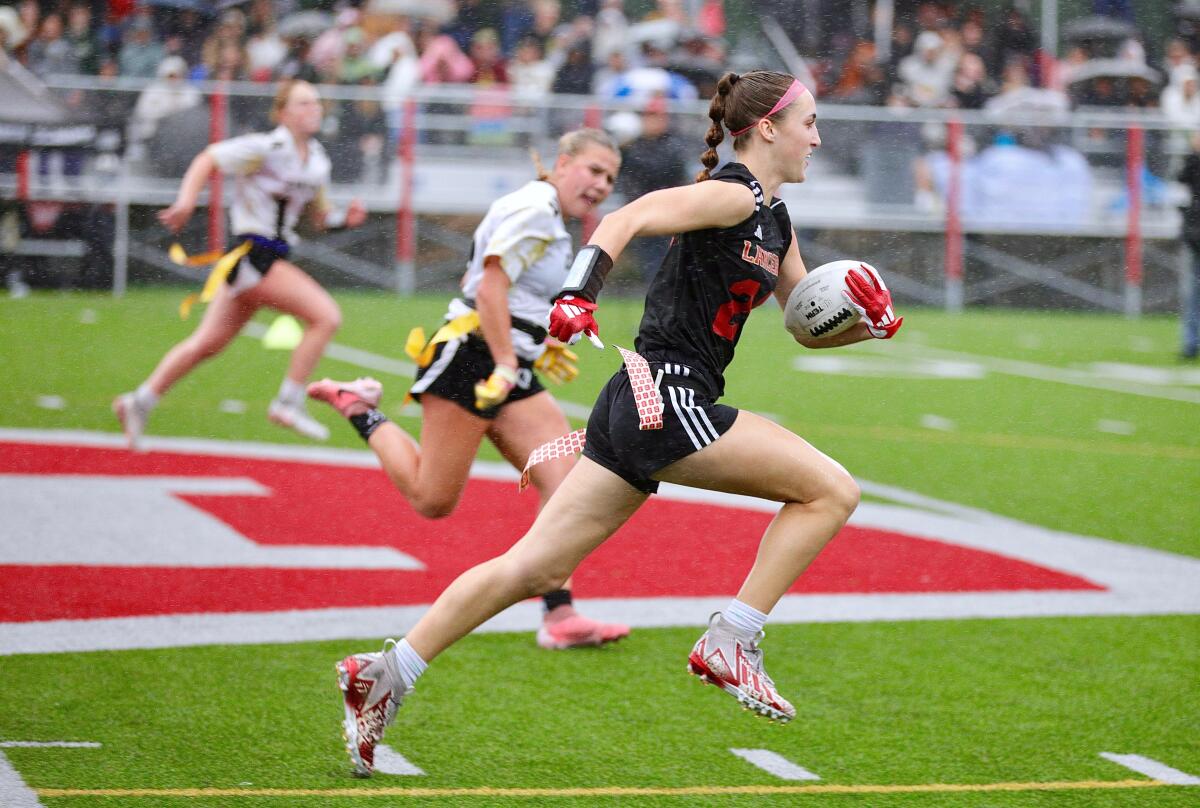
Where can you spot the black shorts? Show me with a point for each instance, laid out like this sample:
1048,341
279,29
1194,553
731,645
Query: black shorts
459,364
253,267
691,420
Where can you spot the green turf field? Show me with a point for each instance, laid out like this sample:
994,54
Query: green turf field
1051,438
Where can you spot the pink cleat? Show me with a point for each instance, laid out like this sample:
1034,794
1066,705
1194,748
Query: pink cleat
348,398
566,628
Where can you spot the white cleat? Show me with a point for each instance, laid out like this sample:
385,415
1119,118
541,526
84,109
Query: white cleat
733,662
132,418
295,417
372,691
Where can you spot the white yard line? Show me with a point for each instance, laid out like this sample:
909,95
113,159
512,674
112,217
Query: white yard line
775,764
389,761
1153,769
344,353
396,367
13,791
1048,373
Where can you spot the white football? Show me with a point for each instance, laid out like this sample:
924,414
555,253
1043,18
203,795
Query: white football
817,307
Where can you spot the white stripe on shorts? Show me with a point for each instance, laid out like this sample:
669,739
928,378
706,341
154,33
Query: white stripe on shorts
701,415
436,369
676,394
695,421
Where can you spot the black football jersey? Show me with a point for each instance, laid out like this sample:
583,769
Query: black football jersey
710,280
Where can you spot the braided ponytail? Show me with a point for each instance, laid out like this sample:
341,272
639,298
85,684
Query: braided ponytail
716,134
740,102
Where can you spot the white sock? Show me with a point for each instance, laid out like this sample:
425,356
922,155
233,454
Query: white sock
743,617
409,661
145,398
291,392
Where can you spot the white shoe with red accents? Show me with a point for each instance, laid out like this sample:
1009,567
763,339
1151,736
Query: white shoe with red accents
295,417
372,691
348,398
573,630
725,657
132,418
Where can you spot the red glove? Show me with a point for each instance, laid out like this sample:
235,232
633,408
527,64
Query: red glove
572,317
874,303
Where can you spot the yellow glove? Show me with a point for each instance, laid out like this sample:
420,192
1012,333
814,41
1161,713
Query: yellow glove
492,392
558,362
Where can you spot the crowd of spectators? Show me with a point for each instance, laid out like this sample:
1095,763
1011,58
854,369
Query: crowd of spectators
940,54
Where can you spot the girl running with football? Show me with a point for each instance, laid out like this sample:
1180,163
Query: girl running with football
657,419
475,376
279,174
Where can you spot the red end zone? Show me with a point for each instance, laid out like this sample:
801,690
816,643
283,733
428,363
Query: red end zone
670,548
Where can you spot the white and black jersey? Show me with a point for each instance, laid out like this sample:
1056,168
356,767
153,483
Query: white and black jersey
273,183
525,231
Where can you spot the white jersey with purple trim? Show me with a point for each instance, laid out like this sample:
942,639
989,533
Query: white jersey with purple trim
273,184
525,231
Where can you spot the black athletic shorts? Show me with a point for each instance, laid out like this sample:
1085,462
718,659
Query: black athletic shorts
264,252
691,420
459,364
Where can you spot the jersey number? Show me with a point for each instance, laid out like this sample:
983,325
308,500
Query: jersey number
744,298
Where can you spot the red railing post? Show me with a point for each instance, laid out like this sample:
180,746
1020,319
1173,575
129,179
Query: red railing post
954,228
23,175
216,183
1134,162
405,218
592,118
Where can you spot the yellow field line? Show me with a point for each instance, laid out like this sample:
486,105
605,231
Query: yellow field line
604,791
999,440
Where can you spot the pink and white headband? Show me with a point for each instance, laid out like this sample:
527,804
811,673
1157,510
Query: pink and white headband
791,95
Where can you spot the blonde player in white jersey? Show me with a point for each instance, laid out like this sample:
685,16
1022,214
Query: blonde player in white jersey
279,174
476,376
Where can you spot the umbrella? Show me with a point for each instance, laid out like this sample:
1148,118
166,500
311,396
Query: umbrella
198,6
662,33
1113,68
1097,27
441,11
305,23
1029,100
12,24
1188,10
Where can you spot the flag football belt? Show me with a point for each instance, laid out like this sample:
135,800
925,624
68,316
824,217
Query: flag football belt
646,397
222,265
422,351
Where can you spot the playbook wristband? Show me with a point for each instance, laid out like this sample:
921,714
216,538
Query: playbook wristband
586,277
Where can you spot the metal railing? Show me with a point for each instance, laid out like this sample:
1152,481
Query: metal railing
959,202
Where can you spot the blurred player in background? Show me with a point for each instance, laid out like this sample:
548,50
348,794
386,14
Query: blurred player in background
1190,176
279,174
657,419
476,378
657,158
